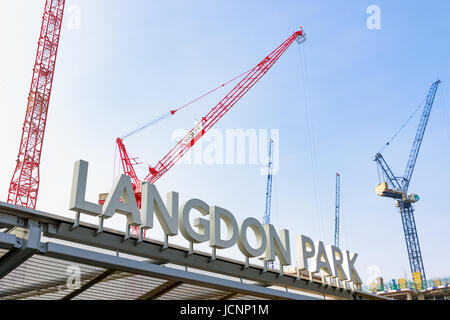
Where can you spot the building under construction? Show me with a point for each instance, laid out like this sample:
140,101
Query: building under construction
402,289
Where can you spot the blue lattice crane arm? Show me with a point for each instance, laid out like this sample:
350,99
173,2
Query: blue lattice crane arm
386,172
266,218
336,210
419,136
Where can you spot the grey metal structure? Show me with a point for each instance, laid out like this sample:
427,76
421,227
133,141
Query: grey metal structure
36,249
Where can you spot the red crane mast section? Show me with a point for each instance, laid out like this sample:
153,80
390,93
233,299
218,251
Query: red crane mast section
24,186
208,121
128,169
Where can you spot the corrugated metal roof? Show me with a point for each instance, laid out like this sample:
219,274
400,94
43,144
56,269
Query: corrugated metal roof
191,292
45,278
41,276
121,286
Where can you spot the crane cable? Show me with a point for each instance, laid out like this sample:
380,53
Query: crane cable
173,111
169,113
402,126
311,142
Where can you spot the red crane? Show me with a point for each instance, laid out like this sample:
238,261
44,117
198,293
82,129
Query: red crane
24,186
207,122
128,169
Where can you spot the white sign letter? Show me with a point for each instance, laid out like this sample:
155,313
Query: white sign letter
78,193
337,259
152,202
217,214
349,267
321,261
306,249
261,240
276,246
122,190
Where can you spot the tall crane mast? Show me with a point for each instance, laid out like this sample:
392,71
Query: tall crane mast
397,188
24,186
208,121
128,168
336,210
266,218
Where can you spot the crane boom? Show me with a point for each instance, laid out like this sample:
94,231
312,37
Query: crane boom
386,171
24,186
127,162
128,168
419,135
216,113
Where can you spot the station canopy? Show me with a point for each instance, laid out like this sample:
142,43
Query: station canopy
46,256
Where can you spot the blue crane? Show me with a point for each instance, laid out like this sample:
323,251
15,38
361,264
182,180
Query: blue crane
336,210
397,188
266,218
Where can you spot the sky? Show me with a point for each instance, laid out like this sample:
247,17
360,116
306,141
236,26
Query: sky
332,102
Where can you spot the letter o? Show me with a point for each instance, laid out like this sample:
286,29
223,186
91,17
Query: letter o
261,240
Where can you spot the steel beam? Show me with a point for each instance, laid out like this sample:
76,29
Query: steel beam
160,290
89,284
228,296
9,241
10,221
23,249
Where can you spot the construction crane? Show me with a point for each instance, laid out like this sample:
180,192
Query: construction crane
397,188
207,122
336,210
24,186
266,218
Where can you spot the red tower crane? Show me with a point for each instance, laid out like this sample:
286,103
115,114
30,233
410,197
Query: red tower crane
24,186
207,122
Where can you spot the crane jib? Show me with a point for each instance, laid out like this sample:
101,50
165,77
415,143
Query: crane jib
217,112
222,108
196,133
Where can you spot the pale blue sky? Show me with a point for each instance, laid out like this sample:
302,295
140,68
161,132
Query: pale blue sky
132,60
